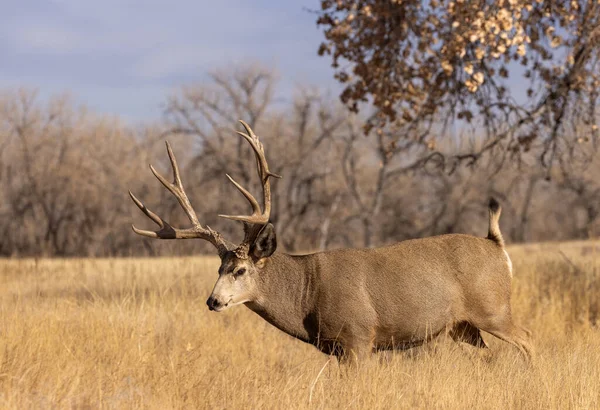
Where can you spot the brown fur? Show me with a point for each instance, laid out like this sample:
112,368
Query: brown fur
351,302
393,297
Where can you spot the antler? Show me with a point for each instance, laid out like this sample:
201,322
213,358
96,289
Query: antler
259,218
166,230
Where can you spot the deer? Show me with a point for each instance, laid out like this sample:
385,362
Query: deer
350,303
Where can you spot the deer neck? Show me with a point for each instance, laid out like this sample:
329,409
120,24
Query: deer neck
286,288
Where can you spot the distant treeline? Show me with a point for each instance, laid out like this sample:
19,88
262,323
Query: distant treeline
65,175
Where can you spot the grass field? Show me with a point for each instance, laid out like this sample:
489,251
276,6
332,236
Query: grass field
136,333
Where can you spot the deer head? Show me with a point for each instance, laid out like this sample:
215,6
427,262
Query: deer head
240,265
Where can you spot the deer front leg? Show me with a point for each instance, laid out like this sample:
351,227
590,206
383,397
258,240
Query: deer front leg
356,351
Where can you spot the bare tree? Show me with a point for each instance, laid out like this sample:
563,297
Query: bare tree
61,170
301,137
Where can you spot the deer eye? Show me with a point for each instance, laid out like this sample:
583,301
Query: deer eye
239,272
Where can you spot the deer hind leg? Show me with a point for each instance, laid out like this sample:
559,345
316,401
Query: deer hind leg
467,333
504,328
516,336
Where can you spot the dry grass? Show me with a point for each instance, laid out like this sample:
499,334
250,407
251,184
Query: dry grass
135,333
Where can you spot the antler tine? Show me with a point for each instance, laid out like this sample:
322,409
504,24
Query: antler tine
257,217
176,188
247,194
258,150
166,231
157,219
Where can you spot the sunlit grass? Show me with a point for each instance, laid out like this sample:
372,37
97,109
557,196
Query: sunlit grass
136,333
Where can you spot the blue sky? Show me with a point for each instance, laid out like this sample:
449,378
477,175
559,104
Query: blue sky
125,56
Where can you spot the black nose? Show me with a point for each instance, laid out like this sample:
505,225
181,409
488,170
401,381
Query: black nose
213,303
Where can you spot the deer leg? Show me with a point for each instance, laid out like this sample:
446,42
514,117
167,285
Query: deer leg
506,330
467,333
355,353
517,337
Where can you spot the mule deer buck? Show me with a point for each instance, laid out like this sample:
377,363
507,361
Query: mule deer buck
351,302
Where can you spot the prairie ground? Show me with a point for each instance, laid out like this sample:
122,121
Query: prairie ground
136,333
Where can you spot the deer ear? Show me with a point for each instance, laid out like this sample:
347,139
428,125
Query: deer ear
265,244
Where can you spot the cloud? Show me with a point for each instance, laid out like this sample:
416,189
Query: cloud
44,38
168,61
97,48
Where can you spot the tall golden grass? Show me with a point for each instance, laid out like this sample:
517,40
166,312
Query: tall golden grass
136,333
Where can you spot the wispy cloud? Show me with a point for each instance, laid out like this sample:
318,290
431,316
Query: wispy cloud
45,38
168,61
113,44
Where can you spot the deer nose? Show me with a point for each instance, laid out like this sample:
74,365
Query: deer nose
213,303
